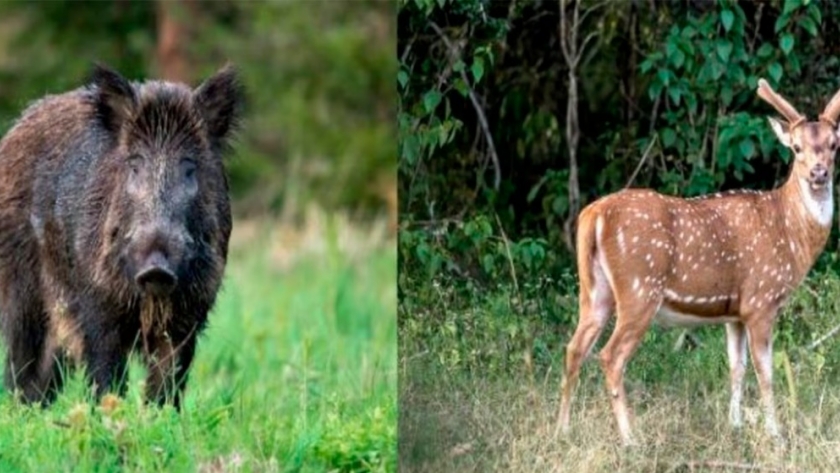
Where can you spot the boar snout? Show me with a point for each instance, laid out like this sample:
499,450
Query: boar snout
156,275
158,251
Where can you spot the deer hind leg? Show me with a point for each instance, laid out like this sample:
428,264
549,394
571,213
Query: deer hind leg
632,321
596,307
736,350
761,349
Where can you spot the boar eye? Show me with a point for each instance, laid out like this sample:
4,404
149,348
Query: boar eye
134,162
797,149
188,168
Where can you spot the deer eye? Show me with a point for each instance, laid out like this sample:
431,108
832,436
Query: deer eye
797,149
832,146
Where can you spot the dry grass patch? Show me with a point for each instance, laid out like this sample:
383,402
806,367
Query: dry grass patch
454,423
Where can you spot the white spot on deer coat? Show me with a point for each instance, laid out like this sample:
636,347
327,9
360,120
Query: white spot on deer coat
620,237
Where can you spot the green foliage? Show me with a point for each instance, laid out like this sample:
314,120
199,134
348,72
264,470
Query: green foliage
479,302
708,69
426,120
474,253
666,100
362,444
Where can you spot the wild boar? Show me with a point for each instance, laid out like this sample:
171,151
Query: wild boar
114,227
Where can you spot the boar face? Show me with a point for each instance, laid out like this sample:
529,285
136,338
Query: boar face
168,171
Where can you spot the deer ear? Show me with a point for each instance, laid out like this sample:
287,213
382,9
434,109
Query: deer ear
115,97
782,131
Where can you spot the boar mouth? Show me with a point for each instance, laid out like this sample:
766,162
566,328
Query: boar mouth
156,276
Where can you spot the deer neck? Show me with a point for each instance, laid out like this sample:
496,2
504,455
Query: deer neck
807,214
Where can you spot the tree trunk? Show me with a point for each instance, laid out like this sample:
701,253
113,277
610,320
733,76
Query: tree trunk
572,53
173,36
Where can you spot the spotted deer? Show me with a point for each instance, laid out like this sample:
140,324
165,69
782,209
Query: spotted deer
730,258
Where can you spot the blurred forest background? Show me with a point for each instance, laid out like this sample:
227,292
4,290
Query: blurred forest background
319,76
515,114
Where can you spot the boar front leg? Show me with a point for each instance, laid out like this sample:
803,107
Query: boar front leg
168,359
25,331
106,357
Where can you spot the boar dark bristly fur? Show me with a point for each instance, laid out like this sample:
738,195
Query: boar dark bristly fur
114,227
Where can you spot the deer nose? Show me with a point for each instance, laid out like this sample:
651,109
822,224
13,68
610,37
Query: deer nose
819,173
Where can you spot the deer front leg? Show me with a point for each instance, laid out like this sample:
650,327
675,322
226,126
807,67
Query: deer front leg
760,331
736,349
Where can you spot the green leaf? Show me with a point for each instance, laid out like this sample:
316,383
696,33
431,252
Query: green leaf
793,63
781,22
691,101
747,148
724,158
678,59
790,6
459,66
654,90
808,24
668,137
727,18
765,50
477,69
664,76
402,78
461,87
724,50
488,263
410,149
726,95
775,71
688,32
717,70
674,93
431,100
444,133
786,43
815,13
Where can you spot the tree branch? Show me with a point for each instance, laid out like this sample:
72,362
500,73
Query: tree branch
641,161
825,337
482,118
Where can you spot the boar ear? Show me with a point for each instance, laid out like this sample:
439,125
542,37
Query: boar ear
219,100
115,97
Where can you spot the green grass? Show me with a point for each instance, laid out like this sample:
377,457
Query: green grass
297,372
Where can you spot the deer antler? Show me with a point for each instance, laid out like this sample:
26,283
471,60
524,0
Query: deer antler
784,107
832,110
